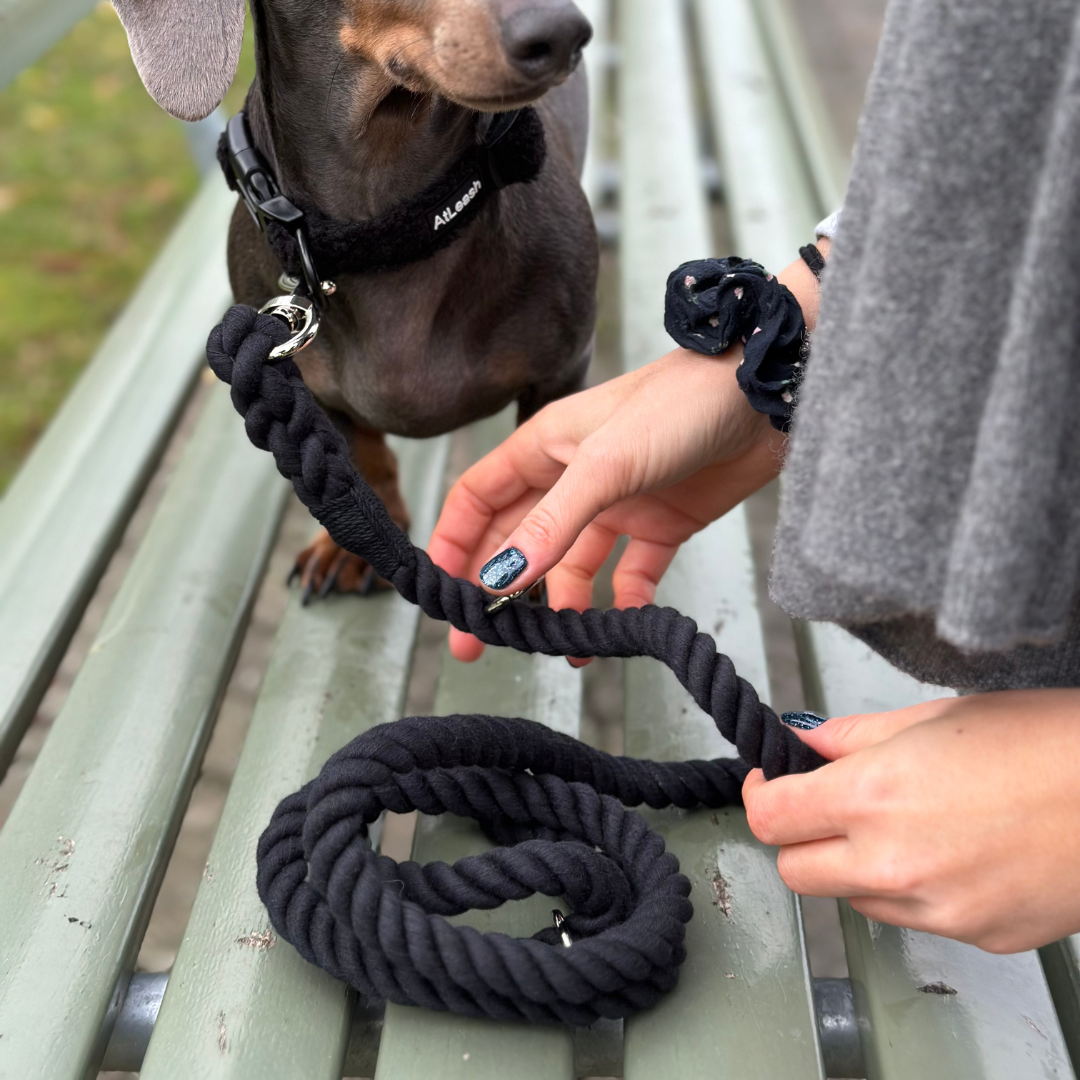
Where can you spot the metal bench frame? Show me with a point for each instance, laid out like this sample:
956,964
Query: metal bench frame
85,848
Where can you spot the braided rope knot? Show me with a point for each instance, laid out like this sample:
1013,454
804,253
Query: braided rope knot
555,806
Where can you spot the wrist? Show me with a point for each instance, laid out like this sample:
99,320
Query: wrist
737,432
800,281
714,304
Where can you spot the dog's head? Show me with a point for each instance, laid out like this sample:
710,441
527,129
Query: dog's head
483,54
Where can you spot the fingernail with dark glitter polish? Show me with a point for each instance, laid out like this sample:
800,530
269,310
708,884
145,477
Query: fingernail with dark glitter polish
504,570
803,721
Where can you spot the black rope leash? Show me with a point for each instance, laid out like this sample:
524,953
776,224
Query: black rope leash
555,805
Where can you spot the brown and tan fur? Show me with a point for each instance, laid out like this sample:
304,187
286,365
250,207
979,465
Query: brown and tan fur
360,105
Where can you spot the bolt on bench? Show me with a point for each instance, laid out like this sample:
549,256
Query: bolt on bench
84,850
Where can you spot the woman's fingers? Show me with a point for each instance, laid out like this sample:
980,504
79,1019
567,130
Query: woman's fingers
515,472
446,550
820,868
640,569
847,735
589,485
910,914
471,510
464,647
797,809
570,583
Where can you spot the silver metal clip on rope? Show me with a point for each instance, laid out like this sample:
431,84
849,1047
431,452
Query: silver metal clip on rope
299,311
255,181
505,601
560,924
303,319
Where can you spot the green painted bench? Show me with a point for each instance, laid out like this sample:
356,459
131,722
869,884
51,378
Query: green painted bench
84,850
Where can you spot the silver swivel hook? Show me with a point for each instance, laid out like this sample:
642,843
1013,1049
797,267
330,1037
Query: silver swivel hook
303,319
560,924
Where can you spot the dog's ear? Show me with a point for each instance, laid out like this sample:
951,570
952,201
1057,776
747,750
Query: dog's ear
185,51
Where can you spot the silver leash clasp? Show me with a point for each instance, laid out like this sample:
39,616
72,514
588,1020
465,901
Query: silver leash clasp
505,601
303,318
559,919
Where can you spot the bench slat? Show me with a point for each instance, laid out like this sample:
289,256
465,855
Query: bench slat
664,219
1061,962
66,510
29,27
999,1024
768,199
338,668
417,1044
89,837
744,999
743,1005
596,65
802,93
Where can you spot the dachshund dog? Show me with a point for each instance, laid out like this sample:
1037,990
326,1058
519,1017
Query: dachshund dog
359,106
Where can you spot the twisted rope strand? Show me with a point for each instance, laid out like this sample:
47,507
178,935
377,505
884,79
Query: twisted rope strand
556,806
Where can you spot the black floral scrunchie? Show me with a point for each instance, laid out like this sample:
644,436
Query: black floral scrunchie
714,303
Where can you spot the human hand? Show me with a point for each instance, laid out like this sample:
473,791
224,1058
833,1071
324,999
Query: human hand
959,817
655,455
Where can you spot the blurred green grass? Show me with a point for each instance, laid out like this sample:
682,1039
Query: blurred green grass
93,174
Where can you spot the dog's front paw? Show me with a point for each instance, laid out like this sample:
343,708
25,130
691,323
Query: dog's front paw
324,568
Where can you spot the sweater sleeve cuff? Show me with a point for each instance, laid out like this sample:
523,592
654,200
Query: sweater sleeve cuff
826,230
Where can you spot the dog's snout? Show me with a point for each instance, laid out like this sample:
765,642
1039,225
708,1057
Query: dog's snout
546,41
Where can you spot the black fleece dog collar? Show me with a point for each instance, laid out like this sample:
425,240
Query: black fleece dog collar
512,152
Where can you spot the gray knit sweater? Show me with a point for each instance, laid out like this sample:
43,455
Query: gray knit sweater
932,495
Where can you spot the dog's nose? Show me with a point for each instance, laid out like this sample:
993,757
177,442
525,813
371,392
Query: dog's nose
546,41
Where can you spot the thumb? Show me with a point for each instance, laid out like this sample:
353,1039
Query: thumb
586,488
847,735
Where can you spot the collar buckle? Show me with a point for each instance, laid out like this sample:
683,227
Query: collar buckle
264,200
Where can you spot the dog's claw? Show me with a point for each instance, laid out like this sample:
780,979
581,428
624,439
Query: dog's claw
294,575
331,582
324,568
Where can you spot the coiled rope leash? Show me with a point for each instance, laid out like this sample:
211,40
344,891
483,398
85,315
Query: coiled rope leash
555,805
